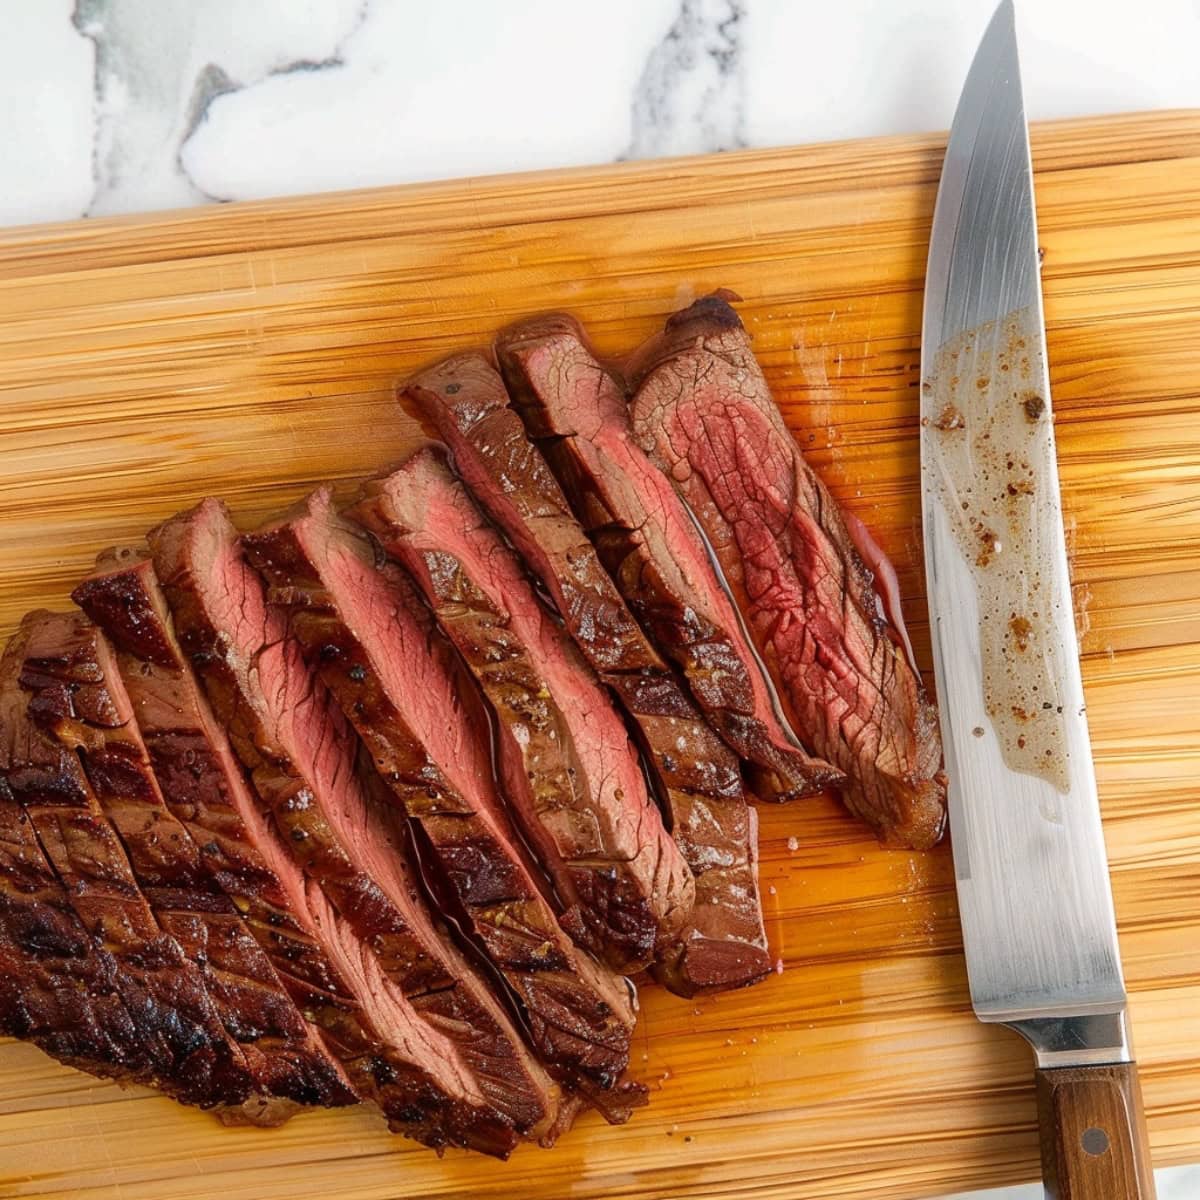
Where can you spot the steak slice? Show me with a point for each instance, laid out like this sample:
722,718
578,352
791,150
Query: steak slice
564,751
192,772
695,775
344,845
204,785
704,413
651,547
78,692
302,760
150,1019
420,717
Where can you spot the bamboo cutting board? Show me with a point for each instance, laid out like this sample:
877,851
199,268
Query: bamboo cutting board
249,351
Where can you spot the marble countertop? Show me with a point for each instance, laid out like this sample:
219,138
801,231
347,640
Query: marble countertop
126,105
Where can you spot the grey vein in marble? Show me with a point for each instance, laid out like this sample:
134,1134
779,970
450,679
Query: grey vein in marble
439,90
161,63
691,95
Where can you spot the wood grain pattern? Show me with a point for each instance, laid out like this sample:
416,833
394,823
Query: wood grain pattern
1092,1134
250,351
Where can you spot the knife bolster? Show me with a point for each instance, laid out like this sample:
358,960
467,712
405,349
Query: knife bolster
1073,1041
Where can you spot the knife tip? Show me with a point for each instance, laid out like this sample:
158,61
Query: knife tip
1005,14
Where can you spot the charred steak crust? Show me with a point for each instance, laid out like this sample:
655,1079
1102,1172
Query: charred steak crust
421,957
694,773
75,669
302,761
645,537
59,988
376,648
564,751
704,414
193,772
174,1036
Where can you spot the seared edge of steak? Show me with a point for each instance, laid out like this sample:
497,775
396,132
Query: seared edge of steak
259,687
174,1036
567,766
193,773
418,955
696,776
704,413
465,400
652,547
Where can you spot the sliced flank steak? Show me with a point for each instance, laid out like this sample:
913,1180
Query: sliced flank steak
415,950
420,717
837,651
204,786
157,1025
303,761
195,775
78,692
652,548
564,754
694,773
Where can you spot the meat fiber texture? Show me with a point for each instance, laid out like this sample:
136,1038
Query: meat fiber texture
302,760
704,414
417,953
564,752
695,775
203,788
375,647
653,550
147,1016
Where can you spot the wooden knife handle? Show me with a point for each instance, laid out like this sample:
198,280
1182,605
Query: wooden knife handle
1093,1134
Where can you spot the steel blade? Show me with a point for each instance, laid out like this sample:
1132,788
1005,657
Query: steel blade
1030,862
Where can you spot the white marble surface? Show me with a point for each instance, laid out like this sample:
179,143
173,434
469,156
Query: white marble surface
126,105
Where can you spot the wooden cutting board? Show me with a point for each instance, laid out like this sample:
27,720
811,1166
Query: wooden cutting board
249,351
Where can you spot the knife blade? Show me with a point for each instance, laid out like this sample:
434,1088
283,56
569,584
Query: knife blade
1031,870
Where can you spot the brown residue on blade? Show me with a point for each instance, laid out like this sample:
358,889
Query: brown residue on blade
992,472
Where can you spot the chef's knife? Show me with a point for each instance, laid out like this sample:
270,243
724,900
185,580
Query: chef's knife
1029,857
